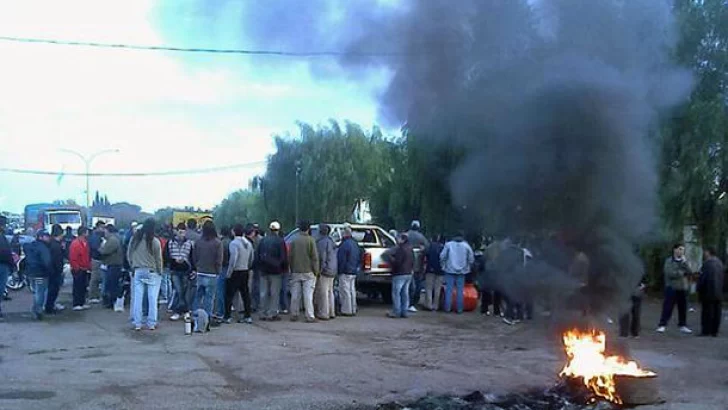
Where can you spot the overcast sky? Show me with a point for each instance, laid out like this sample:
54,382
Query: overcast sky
163,111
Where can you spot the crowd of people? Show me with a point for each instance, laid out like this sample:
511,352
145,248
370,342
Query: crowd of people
204,275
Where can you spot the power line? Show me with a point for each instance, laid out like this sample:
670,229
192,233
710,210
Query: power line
135,174
278,53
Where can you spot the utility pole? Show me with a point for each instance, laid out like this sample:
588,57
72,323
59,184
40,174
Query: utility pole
298,175
87,162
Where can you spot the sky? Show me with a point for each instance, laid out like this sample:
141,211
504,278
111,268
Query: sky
162,111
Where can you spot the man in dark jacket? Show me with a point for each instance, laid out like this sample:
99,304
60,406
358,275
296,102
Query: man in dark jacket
272,261
39,267
94,242
402,262
348,263
434,278
55,279
324,292
6,258
710,290
111,253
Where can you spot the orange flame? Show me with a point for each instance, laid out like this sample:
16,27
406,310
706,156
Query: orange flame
586,360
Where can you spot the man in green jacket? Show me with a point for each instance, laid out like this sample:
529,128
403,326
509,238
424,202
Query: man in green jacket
304,262
112,256
676,272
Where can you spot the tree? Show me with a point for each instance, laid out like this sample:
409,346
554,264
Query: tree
244,206
337,166
695,144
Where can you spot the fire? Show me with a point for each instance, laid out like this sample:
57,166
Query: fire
586,360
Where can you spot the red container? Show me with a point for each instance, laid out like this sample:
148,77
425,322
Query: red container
470,297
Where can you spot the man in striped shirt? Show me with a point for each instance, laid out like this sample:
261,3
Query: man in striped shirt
180,260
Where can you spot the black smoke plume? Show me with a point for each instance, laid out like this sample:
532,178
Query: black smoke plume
554,100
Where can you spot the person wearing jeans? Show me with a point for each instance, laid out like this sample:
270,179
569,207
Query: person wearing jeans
145,258
38,267
402,262
676,272
208,257
180,262
456,259
79,258
112,255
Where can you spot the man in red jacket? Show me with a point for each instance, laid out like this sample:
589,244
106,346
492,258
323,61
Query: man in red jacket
79,256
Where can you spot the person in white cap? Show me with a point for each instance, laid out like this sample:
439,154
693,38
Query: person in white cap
272,257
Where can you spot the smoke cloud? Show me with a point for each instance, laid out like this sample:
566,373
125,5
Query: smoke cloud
554,101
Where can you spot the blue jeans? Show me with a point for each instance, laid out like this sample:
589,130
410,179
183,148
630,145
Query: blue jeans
112,283
4,273
220,295
39,296
145,280
400,294
450,281
285,301
205,292
180,281
165,290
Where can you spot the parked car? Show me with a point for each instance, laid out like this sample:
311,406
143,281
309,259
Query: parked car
376,275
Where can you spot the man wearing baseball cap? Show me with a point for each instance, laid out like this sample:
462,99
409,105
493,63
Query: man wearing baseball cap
272,257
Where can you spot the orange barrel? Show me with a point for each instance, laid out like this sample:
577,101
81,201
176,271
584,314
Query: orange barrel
470,297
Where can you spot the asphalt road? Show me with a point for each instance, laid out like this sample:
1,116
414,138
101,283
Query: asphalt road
92,360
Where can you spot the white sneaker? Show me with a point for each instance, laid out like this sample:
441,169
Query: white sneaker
94,301
412,309
162,301
118,308
686,330
60,307
174,317
661,329
509,322
86,307
78,308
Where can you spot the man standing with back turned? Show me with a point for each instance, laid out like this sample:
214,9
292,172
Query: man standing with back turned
304,262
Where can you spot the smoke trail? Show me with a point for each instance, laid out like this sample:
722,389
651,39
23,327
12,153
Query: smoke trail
554,101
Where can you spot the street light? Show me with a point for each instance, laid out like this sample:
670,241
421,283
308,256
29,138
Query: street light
298,175
87,161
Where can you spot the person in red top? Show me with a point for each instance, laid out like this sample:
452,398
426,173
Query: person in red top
79,256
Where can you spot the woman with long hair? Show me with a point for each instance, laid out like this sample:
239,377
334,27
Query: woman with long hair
208,261
145,258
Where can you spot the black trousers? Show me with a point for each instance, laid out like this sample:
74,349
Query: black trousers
710,316
237,282
489,297
55,280
675,297
629,323
80,285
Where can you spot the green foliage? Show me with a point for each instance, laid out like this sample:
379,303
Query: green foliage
695,143
244,206
336,167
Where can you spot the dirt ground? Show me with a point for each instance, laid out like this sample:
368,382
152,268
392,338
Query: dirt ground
92,360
